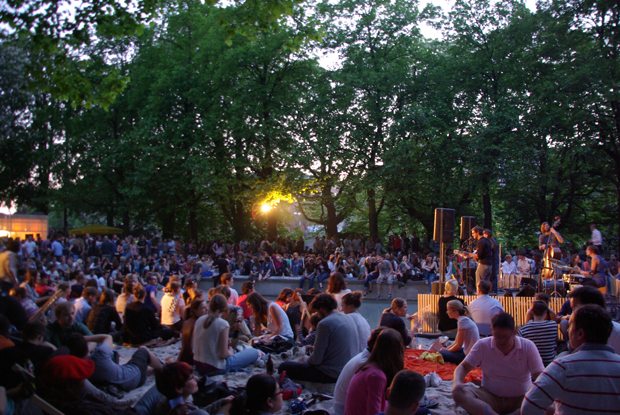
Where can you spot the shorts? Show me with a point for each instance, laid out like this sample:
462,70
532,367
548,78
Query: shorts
382,279
499,404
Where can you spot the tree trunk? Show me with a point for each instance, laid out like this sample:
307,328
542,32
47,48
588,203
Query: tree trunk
373,216
168,223
486,205
272,226
331,227
109,217
241,223
126,221
192,223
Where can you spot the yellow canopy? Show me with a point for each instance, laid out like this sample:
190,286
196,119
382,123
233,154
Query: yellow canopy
96,230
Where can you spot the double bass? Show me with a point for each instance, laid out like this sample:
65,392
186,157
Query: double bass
551,253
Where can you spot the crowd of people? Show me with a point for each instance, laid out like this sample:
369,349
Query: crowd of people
67,303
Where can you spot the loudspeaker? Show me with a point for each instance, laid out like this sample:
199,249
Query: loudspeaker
444,225
467,222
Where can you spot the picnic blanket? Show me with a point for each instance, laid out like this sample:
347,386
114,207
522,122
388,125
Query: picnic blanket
445,370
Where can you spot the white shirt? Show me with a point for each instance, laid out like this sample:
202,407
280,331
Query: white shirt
509,268
234,296
338,297
169,309
484,308
342,384
204,341
362,328
597,238
469,332
285,324
523,266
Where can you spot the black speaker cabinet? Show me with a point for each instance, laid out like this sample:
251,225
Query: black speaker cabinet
444,225
467,222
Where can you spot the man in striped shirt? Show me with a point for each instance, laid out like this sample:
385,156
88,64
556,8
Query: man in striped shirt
543,332
586,381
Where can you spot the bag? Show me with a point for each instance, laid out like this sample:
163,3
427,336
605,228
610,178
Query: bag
276,345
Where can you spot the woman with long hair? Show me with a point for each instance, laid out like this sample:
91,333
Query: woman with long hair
447,325
103,314
337,287
366,392
466,336
172,306
351,303
271,315
196,309
210,343
392,317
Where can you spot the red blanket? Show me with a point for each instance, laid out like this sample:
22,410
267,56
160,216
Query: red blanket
445,371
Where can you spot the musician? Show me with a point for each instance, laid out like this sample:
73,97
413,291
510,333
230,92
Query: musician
487,233
549,240
596,237
483,255
598,267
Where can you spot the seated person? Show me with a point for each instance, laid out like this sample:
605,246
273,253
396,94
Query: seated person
405,393
448,325
483,308
392,317
210,342
335,345
262,396
543,332
126,377
270,315
508,362
34,345
103,314
141,325
65,325
466,335
84,304
352,366
350,305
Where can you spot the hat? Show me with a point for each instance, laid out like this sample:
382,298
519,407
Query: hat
68,367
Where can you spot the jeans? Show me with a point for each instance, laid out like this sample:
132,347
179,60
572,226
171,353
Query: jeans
370,278
235,362
429,276
304,278
453,357
305,372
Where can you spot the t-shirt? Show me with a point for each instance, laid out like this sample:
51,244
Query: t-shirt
336,343
126,377
204,342
544,334
366,392
362,328
469,332
506,375
82,308
169,309
342,384
484,251
285,325
483,309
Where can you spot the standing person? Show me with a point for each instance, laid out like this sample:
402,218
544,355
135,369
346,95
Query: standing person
351,303
466,336
8,266
483,255
543,332
210,342
393,317
487,233
596,238
484,308
336,343
366,392
586,380
509,363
